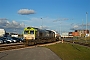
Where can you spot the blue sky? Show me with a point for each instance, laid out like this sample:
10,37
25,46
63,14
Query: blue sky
60,15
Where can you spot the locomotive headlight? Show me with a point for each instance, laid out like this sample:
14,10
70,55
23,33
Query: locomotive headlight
24,37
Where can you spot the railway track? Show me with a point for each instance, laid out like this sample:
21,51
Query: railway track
5,47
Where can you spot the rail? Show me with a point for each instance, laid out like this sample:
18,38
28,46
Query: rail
5,47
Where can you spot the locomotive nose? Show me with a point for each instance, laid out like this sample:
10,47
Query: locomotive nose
32,37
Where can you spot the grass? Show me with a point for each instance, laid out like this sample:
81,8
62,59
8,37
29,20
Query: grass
67,51
82,40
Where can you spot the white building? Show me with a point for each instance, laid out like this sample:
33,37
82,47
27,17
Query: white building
2,32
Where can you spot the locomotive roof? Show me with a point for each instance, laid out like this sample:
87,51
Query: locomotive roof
38,29
43,30
30,27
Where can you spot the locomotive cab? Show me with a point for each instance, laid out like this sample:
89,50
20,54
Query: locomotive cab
29,34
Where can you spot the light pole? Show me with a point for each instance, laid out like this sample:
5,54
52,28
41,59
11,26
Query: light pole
60,26
86,27
60,29
86,23
61,19
42,23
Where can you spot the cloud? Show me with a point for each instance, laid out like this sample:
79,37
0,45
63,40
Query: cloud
11,26
26,11
75,26
80,27
37,21
60,19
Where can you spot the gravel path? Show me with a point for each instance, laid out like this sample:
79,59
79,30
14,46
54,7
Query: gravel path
36,53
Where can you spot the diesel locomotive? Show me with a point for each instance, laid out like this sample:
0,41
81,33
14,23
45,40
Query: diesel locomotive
34,35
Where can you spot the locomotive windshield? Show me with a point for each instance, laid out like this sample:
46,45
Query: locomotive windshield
32,32
26,32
